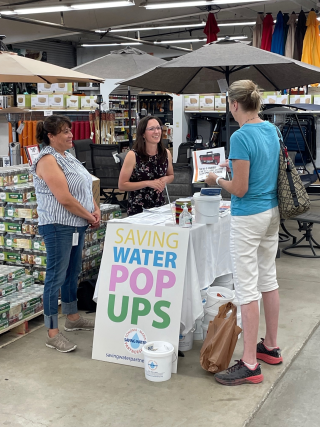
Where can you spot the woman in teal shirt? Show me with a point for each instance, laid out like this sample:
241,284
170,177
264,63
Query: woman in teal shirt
254,163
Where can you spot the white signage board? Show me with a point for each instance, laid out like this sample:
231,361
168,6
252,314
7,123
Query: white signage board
141,284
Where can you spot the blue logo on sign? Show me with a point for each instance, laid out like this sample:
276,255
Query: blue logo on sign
152,365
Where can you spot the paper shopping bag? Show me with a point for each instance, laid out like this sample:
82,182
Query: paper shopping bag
221,339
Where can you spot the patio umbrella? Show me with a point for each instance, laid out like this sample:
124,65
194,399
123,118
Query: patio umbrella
198,71
299,36
277,45
122,64
311,42
18,69
267,29
211,29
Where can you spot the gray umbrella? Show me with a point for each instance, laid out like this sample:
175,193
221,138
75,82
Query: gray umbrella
198,71
122,64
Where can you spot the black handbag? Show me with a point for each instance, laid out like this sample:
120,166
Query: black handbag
293,198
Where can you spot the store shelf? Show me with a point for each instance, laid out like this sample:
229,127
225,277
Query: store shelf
87,88
119,99
123,109
123,140
125,127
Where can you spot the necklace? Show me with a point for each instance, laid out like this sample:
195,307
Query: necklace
250,120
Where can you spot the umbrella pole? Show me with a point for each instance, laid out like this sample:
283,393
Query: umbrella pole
129,115
227,115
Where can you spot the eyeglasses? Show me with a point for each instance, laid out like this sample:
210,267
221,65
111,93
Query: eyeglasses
153,128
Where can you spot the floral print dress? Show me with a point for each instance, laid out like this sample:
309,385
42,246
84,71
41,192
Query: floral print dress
146,171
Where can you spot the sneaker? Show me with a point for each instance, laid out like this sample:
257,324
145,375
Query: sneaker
60,343
81,324
272,357
239,374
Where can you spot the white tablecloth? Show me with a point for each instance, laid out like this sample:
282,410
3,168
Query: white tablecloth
208,257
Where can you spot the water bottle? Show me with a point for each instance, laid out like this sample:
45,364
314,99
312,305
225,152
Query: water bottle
185,218
14,151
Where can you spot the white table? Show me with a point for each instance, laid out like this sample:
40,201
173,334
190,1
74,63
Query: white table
208,257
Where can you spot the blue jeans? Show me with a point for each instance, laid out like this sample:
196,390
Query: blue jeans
64,263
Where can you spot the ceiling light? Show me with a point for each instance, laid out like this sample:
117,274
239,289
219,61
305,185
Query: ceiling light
110,44
102,5
81,6
233,38
181,41
48,9
193,3
168,27
231,24
165,27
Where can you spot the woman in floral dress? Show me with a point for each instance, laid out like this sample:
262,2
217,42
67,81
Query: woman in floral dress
147,168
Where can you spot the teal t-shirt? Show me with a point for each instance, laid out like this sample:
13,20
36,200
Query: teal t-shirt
259,144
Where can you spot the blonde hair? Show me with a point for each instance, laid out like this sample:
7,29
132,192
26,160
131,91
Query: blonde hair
246,93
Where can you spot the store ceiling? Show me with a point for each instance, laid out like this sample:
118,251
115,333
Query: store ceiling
81,24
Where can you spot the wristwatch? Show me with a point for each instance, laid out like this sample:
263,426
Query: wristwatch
217,180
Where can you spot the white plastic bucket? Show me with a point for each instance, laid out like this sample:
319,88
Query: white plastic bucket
226,281
157,360
214,301
198,333
186,341
206,208
223,279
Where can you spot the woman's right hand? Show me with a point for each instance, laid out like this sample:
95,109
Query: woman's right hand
157,184
225,164
92,220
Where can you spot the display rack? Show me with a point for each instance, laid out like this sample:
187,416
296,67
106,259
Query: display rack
156,104
120,105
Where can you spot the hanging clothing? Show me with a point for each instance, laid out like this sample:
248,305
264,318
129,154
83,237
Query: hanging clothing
291,24
311,42
299,36
277,38
285,29
257,31
211,29
267,32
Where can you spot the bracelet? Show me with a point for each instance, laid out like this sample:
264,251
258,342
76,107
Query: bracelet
217,181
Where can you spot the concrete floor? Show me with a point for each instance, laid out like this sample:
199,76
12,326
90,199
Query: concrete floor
295,399
41,387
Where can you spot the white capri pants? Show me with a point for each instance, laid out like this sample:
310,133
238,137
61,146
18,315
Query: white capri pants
253,245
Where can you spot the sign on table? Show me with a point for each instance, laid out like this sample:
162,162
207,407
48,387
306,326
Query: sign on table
141,283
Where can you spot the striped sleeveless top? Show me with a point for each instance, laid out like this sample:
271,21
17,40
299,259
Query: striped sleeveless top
50,211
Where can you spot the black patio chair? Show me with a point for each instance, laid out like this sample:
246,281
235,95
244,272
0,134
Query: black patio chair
83,152
107,170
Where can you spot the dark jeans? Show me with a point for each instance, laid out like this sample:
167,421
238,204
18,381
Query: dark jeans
64,263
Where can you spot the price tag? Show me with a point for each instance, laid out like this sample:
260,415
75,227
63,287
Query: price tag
36,245
38,260
75,239
1,256
9,242
47,113
20,128
2,227
2,196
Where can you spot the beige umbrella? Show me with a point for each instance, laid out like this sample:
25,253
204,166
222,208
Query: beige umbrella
14,68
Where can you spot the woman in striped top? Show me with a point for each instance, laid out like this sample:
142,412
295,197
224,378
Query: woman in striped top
65,207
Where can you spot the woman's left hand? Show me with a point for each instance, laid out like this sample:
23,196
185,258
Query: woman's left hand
211,179
97,214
